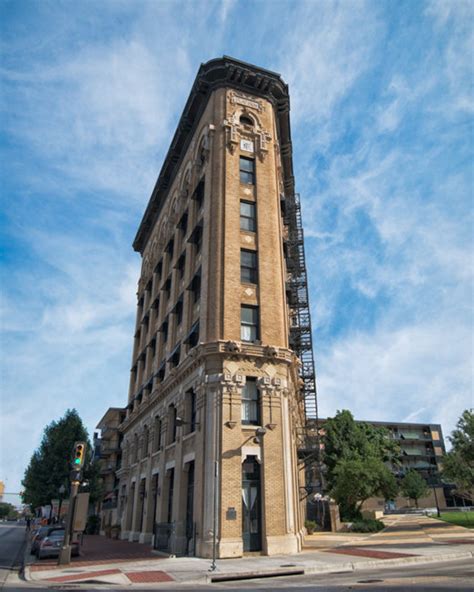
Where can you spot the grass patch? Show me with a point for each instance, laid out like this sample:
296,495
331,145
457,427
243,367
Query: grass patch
465,519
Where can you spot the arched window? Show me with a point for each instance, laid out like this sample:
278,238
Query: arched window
245,120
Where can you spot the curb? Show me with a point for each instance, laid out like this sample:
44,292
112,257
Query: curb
297,570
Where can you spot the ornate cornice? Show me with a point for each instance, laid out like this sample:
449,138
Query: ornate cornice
221,72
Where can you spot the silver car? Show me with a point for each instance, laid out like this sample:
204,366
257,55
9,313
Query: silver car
51,545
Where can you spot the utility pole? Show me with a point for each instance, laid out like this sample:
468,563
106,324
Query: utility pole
78,459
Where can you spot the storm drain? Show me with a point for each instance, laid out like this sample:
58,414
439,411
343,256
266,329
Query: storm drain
256,576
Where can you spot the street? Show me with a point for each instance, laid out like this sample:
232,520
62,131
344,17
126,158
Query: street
12,537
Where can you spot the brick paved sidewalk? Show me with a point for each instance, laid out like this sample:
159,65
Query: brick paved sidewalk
99,550
407,540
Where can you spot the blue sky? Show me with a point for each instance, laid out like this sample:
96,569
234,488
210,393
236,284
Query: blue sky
382,103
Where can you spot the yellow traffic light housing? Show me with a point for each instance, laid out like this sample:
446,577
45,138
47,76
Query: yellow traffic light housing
79,455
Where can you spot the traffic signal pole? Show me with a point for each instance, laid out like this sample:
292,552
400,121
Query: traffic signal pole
65,552
78,459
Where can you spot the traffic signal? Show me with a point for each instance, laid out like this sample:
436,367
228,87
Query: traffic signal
79,455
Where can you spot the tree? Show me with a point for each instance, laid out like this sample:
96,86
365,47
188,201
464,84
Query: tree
357,480
50,466
356,456
414,486
7,510
458,464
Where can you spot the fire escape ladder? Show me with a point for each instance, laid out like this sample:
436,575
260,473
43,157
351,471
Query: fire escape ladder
300,336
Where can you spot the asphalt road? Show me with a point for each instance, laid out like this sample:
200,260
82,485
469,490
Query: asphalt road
12,539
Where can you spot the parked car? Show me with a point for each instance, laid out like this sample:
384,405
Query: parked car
40,534
52,543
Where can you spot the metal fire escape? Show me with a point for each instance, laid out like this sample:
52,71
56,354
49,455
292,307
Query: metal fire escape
301,341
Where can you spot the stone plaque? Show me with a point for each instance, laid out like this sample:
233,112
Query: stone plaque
231,514
246,145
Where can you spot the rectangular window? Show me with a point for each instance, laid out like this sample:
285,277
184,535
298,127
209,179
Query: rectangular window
170,495
157,435
183,222
248,267
178,311
193,337
248,218
159,269
170,248
174,357
196,236
191,411
195,286
247,170
180,264
250,403
198,194
249,323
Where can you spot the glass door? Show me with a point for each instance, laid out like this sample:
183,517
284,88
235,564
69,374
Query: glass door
251,505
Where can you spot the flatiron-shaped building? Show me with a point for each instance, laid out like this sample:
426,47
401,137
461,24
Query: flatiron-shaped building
216,398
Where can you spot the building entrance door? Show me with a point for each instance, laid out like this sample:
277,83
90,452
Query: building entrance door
251,505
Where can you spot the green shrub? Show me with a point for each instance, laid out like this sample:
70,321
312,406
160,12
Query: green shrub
310,526
367,525
93,525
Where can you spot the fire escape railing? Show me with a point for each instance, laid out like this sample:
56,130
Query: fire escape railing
301,340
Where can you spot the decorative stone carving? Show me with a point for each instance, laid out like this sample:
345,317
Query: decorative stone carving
233,346
246,101
270,351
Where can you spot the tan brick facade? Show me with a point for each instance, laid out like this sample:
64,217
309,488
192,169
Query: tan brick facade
209,439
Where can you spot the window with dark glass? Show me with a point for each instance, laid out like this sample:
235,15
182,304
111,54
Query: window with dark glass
167,286
160,374
170,247
164,329
180,264
178,311
183,222
247,170
170,495
193,337
152,347
159,269
191,403
157,434
174,357
195,286
249,323
248,220
198,194
171,424
250,403
248,267
146,439
196,236
245,120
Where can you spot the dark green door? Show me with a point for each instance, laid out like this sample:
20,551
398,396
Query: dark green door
251,505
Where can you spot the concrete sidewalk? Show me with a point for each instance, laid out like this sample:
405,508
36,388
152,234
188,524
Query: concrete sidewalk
406,540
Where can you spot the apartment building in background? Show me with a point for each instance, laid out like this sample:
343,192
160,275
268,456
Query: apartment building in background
422,449
215,405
